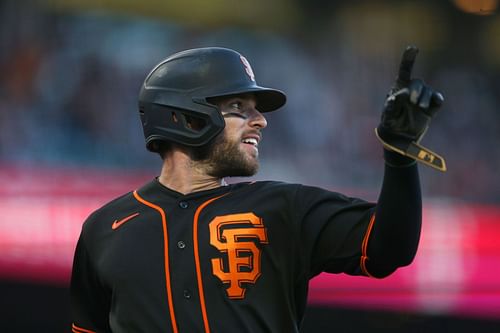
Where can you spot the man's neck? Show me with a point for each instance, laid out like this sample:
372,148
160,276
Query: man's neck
181,174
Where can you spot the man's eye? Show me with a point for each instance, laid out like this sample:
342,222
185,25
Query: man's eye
236,105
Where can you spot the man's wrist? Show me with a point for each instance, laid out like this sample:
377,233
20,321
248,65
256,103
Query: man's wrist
397,160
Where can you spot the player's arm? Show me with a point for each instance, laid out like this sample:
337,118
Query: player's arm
89,299
393,238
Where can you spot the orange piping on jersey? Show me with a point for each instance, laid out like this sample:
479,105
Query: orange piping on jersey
76,329
197,261
364,247
165,246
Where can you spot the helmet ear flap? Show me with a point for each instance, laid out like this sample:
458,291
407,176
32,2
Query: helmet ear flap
183,126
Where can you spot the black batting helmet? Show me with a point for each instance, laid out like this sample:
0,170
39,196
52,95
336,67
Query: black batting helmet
179,87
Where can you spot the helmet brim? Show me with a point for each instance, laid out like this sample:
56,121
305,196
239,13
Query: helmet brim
268,99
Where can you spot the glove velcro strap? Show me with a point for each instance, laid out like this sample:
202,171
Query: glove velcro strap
416,151
426,156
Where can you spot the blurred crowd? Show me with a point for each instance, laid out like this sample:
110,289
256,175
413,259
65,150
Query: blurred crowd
69,84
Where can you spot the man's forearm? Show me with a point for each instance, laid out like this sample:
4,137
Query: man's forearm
395,235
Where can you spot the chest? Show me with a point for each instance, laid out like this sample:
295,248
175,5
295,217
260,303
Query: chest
227,241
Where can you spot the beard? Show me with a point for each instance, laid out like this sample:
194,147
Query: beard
224,158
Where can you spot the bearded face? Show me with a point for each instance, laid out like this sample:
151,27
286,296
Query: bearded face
224,157
234,152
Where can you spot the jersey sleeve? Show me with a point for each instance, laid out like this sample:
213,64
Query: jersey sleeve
332,229
395,234
90,301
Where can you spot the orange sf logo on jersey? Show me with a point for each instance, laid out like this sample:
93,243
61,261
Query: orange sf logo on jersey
237,236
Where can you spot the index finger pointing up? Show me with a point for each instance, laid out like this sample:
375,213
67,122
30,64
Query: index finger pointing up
406,66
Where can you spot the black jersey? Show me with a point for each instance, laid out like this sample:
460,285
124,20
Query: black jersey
237,258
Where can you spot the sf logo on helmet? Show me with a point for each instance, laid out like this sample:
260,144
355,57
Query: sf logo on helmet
248,68
237,236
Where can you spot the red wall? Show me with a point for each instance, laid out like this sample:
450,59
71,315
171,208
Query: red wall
456,271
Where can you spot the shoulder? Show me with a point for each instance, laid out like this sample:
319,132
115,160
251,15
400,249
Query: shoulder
299,190
102,219
264,189
305,195
271,185
262,193
110,211
119,207
315,191
293,190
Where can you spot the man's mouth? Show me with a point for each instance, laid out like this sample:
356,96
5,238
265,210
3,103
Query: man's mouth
251,141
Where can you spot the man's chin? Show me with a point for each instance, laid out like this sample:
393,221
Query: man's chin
232,160
246,170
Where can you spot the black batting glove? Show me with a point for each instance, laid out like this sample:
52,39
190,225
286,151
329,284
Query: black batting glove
408,110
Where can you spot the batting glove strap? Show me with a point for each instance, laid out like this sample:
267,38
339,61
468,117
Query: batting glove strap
415,151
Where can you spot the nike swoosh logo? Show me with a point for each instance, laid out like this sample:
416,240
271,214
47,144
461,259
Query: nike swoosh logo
118,223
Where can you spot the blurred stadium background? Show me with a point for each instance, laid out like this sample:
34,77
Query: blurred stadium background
70,138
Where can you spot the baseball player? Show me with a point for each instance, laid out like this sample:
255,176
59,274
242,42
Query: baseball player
187,252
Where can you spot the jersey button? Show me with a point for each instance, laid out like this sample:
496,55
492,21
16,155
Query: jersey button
187,294
181,244
183,204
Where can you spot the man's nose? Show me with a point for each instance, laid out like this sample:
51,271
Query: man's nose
258,120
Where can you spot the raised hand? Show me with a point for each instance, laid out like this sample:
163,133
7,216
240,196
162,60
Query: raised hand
408,110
